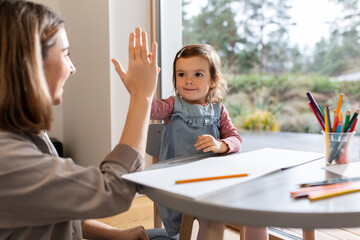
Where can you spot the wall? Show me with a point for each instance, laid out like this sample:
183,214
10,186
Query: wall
86,105
171,42
90,120
125,16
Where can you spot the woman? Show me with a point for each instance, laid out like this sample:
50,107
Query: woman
41,194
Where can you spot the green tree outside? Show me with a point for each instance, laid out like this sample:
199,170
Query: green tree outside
268,76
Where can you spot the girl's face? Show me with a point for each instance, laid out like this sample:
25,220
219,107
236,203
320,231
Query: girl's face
193,80
58,66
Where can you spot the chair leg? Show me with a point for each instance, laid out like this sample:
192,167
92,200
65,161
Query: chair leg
242,229
215,230
186,227
157,218
308,234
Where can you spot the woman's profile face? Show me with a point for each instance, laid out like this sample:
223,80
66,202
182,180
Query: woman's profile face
58,66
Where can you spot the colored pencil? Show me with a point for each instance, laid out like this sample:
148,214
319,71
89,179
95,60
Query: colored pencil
336,121
326,125
353,127
306,191
327,136
210,178
316,107
317,117
327,113
339,103
339,106
329,181
352,121
340,127
347,188
336,151
321,110
347,119
325,191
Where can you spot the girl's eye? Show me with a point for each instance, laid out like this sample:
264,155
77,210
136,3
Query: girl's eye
181,74
198,74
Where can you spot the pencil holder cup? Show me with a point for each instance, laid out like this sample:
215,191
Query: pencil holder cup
338,147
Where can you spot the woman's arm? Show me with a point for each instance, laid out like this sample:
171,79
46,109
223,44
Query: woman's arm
93,229
140,80
47,178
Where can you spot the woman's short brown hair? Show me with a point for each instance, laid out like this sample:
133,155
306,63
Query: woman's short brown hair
206,51
27,33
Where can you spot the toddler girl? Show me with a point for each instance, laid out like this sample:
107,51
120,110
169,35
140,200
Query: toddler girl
195,120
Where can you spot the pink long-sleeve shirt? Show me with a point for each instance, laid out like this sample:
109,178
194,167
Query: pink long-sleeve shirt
163,108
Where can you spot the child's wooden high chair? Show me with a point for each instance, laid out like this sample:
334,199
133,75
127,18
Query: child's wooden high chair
153,149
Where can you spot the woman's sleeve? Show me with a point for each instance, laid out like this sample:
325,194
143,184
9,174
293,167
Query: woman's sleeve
228,132
44,189
161,109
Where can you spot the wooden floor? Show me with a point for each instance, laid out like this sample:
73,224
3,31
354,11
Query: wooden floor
141,213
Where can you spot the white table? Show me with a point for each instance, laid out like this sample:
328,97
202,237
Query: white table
266,201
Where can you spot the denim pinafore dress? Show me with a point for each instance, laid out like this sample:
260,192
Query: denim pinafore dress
187,123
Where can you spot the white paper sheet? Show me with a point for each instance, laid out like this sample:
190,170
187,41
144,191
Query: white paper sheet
255,163
346,170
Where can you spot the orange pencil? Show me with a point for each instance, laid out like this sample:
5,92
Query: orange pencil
338,107
347,188
305,191
333,194
210,178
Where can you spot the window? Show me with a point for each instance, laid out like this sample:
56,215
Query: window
274,51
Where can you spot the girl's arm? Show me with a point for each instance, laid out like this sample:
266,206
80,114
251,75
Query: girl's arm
161,109
228,132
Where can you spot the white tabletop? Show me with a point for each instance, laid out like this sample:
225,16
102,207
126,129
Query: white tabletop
266,201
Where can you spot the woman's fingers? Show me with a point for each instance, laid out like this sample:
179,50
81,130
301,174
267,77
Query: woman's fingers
144,49
131,47
154,52
119,69
138,46
141,75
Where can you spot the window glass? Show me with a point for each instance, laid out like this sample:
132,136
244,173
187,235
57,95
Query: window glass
274,51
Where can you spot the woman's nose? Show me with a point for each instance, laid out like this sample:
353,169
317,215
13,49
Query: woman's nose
72,68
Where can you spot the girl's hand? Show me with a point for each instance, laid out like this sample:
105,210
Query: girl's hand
141,77
208,143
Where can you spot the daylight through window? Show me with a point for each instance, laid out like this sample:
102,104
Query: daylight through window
274,51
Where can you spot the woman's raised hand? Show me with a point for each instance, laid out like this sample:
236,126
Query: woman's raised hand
141,77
